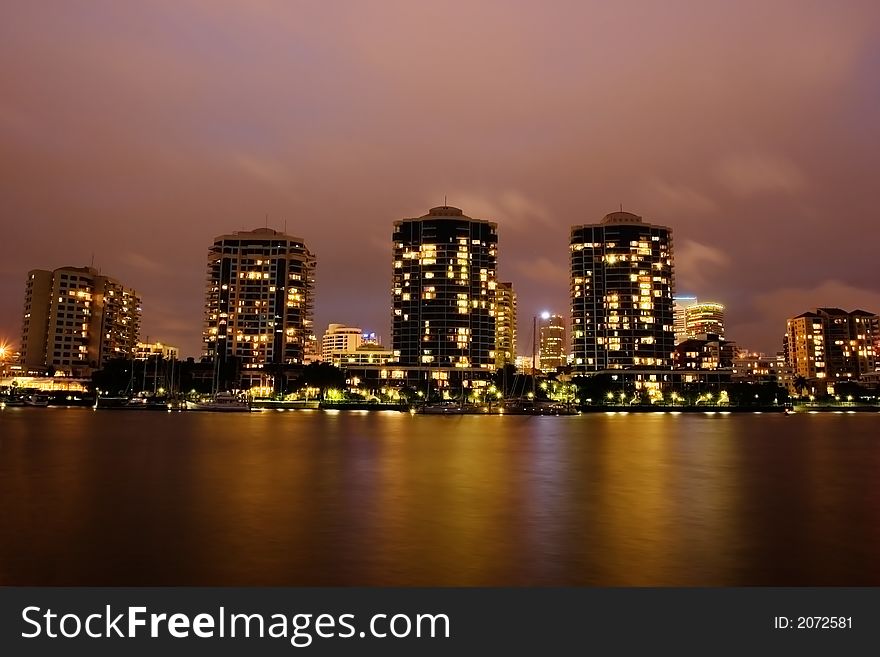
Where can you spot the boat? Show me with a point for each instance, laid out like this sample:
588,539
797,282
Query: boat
536,407
444,408
131,403
223,402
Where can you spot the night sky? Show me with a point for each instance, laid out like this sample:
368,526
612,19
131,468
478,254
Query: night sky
139,131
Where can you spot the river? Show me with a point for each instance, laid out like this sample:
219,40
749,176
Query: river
385,498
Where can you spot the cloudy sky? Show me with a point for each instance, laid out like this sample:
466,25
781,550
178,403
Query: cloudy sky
136,132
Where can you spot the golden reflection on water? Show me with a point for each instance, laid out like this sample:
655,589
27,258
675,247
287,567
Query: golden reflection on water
314,498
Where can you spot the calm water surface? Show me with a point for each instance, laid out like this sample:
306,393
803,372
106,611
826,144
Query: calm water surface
322,498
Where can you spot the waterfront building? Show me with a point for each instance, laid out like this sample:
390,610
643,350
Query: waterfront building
76,319
621,294
259,301
551,344
340,339
704,352
145,350
365,354
443,295
680,305
505,324
704,318
757,367
831,344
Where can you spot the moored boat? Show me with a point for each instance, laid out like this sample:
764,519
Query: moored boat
223,402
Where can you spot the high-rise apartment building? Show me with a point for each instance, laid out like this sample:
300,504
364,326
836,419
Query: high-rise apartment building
551,345
680,305
505,324
76,319
621,294
832,344
704,318
443,295
259,303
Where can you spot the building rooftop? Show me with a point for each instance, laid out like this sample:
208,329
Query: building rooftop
262,233
445,211
621,218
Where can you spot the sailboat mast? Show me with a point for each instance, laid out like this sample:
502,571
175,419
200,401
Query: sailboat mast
534,352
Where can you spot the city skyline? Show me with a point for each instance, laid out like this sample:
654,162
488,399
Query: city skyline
134,138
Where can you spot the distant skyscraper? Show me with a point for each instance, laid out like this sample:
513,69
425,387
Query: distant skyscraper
704,317
444,290
680,305
551,345
258,302
505,325
832,344
621,294
77,319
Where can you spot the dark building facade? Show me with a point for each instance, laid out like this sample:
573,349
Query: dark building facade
259,303
621,294
444,279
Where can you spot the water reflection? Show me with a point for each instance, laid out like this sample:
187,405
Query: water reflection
382,499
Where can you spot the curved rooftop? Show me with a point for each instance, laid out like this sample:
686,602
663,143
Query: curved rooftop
445,211
621,218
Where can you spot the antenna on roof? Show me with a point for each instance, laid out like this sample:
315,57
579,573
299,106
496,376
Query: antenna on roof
93,260
267,220
444,201
621,207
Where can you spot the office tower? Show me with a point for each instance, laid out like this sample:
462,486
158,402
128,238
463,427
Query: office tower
76,319
621,294
704,318
505,325
444,291
259,304
832,344
340,339
680,305
551,345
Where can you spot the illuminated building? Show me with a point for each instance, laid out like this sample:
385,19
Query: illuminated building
551,345
621,294
703,318
339,339
144,350
505,324
754,367
832,344
365,354
76,319
706,352
679,317
524,364
259,303
443,295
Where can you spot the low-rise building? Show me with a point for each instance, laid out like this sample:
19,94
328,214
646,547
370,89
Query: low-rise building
706,352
